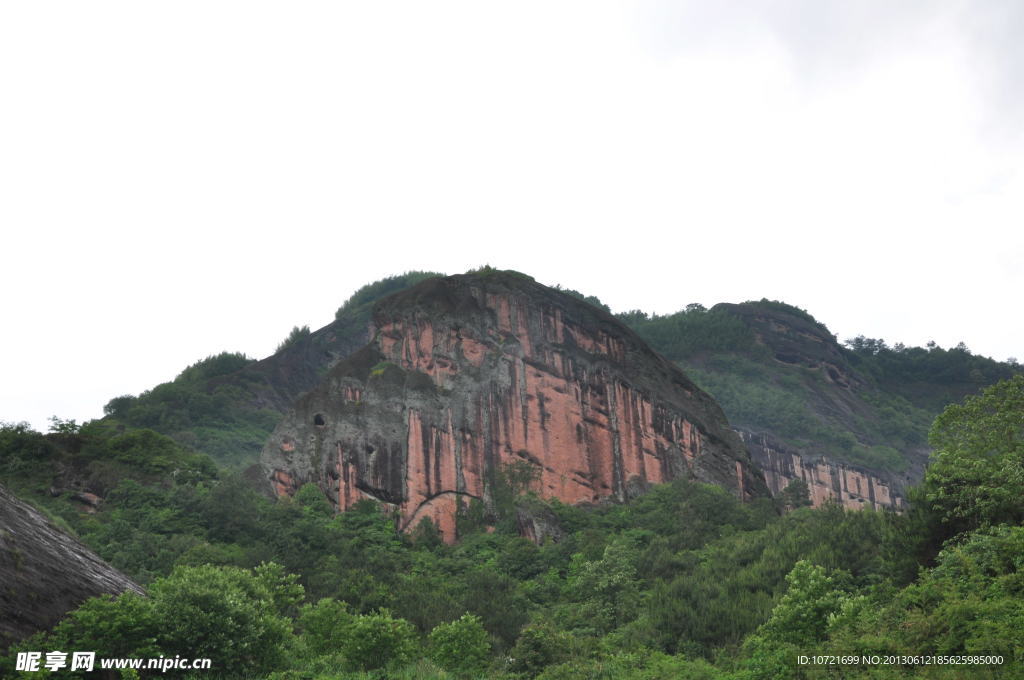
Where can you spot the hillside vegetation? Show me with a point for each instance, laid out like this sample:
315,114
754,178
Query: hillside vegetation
774,369
683,582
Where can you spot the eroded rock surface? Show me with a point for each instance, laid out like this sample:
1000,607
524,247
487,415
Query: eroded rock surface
827,481
44,573
467,375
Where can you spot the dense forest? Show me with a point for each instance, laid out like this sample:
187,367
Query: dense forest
683,582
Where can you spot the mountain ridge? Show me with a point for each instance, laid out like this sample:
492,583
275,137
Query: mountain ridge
863,406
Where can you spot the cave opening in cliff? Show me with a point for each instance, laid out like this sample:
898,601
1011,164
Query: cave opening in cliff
318,420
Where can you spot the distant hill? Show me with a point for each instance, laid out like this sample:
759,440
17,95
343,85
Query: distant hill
787,383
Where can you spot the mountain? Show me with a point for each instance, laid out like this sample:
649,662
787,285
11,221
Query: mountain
851,421
44,571
470,379
661,584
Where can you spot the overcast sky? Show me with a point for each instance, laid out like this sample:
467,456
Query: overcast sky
178,179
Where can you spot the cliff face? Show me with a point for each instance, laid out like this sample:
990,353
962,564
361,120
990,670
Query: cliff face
468,375
44,573
827,481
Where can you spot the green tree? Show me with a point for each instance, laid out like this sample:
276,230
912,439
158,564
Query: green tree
325,626
298,333
608,589
540,645
801,616
378,640
461,646
229,615
976,478
797,623
226,614
125,626
796,494
61,426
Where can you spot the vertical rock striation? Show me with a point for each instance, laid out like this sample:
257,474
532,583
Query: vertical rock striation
467,375
827,481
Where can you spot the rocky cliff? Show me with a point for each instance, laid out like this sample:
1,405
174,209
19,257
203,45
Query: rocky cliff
44,572
468,376
828,481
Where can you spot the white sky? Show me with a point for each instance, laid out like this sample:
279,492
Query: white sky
178,179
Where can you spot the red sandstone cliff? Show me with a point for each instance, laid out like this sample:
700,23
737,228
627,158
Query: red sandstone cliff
827,481
468,374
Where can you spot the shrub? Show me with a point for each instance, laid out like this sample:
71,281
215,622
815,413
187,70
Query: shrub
461,646
378,641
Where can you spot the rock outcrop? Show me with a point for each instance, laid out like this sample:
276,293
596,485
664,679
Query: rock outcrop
44,572
827,481
469,376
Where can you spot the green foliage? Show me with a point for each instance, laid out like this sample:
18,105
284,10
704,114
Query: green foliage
362,299
297,335
878,422
325,626
539,646
229,615
216,418
378,640
214,405
694,330
777,306
499,602
801,615
112,627
59,426
977,474
685,581
796,495
213,366
589,299
23,452
719,593
969,603
486,271
461,646
759,397
223,613
149,452
312,501
639,665
930,377
608,590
